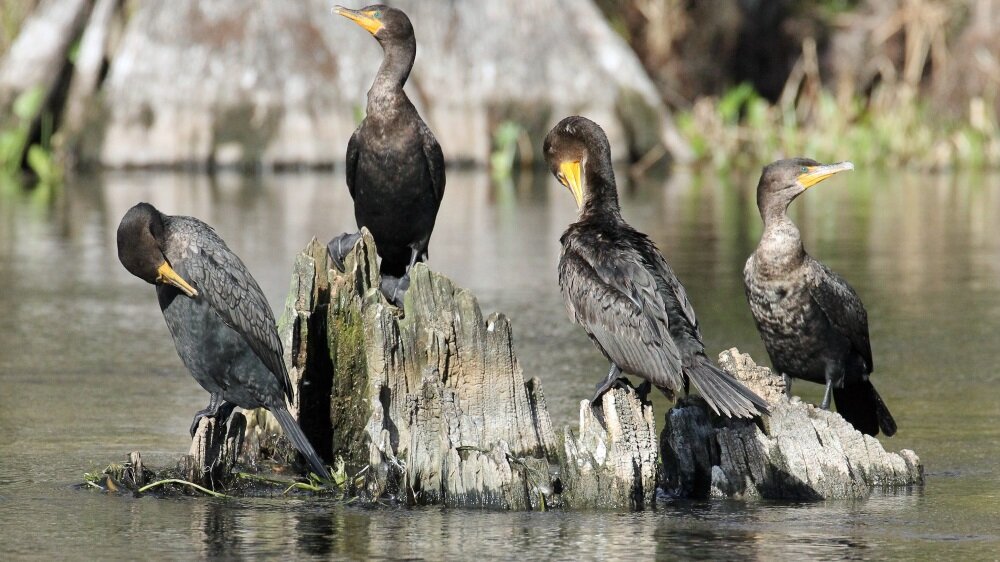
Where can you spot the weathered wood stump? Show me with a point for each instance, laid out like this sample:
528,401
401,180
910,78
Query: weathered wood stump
798,452
611,461
430,406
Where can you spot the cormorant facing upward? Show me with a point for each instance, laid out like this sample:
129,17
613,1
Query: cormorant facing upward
395,167
220,321
618,286
812,322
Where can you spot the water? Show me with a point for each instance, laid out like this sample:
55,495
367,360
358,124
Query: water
88,371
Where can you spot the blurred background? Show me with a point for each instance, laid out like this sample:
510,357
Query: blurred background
238,112
269,84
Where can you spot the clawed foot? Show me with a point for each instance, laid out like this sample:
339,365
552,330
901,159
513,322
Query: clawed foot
612,379
219,410
394,288
340,246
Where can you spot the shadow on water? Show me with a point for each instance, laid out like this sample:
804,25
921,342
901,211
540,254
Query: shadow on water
88,371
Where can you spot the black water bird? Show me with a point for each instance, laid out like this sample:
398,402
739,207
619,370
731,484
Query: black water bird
395,167
221,323
812,322
618,286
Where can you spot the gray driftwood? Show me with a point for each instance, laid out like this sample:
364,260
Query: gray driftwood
611,461
215,449
798,452
432,406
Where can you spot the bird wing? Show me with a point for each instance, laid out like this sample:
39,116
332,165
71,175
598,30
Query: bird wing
225,282
676,290
435,160
842,307
616,301
353,149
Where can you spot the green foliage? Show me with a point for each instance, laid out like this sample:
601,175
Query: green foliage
505,139
15,146
743,129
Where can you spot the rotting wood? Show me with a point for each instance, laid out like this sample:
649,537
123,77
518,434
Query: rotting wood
798,452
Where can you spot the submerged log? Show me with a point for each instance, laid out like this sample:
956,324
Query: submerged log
798,452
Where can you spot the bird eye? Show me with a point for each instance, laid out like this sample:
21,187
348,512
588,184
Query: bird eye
378,14
804,169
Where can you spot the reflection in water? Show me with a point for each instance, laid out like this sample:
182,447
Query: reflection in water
88,371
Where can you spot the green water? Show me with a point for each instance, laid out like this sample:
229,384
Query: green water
88,371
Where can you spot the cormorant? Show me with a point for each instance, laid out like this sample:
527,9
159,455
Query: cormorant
395,167
220,321
618,286
812,322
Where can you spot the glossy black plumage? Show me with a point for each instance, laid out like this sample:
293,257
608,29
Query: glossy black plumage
395,167
618,286
221,323
813,324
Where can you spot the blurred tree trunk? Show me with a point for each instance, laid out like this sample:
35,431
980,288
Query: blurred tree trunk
277,84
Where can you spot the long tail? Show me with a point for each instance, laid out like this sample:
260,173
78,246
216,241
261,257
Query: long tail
295,435
862,407
726,395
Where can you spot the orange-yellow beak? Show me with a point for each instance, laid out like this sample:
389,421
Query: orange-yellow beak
816,174
166,274
571,178
371,20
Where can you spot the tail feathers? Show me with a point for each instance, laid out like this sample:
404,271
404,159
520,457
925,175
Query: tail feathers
862,407
295,435
726,395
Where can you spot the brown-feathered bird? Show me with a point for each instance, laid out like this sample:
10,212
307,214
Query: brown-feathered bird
812,322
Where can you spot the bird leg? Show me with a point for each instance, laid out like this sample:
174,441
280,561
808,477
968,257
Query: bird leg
827,395
340,246
834,378
217,408
613,374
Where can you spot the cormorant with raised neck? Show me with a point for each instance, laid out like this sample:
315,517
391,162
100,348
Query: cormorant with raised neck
813,324
395,167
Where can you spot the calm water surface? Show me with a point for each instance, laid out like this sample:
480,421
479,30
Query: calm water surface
88,371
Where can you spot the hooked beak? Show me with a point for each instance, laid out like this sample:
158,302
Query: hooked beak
166,274
816,174
364,19
571,174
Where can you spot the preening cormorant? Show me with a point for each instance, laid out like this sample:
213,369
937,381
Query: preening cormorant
618,286
812,322
395,167
220,321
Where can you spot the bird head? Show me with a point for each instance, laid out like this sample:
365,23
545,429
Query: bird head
577,150
784,180
140,236
383,22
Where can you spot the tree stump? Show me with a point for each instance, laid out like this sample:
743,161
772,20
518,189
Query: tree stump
611,461
215,448
798,452
429,403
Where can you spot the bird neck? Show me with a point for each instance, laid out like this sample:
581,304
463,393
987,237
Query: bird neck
396,65
780,246
600,195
